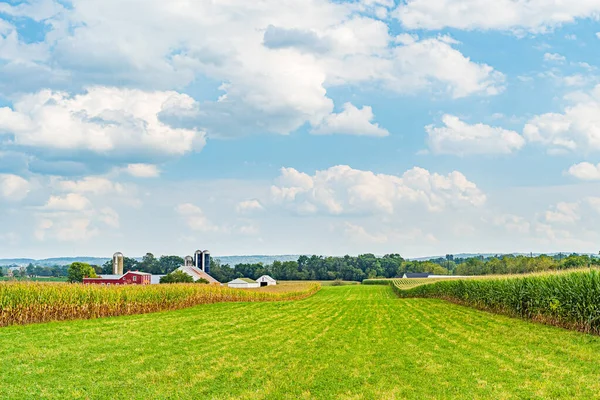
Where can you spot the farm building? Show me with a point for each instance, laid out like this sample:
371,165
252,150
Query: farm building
197,273
129,278
266,280
243,283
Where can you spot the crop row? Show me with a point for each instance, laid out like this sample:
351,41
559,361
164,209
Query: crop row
570,300
24,303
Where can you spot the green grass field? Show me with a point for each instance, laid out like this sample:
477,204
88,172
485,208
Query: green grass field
348,342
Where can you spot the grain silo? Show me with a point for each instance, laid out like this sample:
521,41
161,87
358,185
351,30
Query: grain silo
118,263
206,261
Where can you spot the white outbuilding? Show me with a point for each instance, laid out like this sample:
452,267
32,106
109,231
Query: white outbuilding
243,283
266,280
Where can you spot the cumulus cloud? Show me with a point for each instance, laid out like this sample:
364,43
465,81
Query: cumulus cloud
460,138
64,229
274,66
195,219
585,171
563,212
521,15
110,122
249,206
512,223
554,57
91,184
343,190
143,170
69,202
577,128
351,121
13,187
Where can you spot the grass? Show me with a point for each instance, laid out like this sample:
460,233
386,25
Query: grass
349,342
283,287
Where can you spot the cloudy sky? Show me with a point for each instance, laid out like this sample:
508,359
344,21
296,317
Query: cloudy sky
421,127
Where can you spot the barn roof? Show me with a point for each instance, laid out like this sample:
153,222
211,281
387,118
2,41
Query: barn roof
197,273
247,280
266,277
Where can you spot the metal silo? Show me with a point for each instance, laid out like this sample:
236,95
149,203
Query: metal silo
188,261
198,259
118,263
206,262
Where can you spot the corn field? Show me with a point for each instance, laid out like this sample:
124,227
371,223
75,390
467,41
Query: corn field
25,303
570,300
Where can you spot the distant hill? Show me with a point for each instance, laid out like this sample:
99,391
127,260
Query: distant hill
47,262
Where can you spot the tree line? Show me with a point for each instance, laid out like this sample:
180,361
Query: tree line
351,268
369,266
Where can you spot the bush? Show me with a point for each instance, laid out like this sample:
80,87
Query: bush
202,281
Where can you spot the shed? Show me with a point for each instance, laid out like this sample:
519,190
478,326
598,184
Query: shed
243,283
266,280
416,275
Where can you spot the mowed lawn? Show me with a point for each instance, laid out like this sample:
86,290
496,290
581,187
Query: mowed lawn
348,342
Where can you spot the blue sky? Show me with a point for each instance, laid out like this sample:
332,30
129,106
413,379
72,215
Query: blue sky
420,127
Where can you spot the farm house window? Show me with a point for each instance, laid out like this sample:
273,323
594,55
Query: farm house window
135,278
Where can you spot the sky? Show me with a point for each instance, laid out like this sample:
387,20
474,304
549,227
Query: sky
419,127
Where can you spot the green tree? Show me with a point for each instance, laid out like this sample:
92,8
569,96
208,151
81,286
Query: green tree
78,270
177,277
148,264
168,264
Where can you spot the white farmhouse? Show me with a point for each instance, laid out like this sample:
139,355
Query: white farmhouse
243,283
266,280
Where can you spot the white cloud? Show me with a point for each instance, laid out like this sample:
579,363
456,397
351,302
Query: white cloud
69,202
576,129
563,212
249,206
109,217
351,121
195,219
460,138
91,184
585,171
554,57
537,16
359,234
143,170
512,223
111,122
65,229
13,187
274,66
594,203
343,190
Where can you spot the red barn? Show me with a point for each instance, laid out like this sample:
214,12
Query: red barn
129,278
